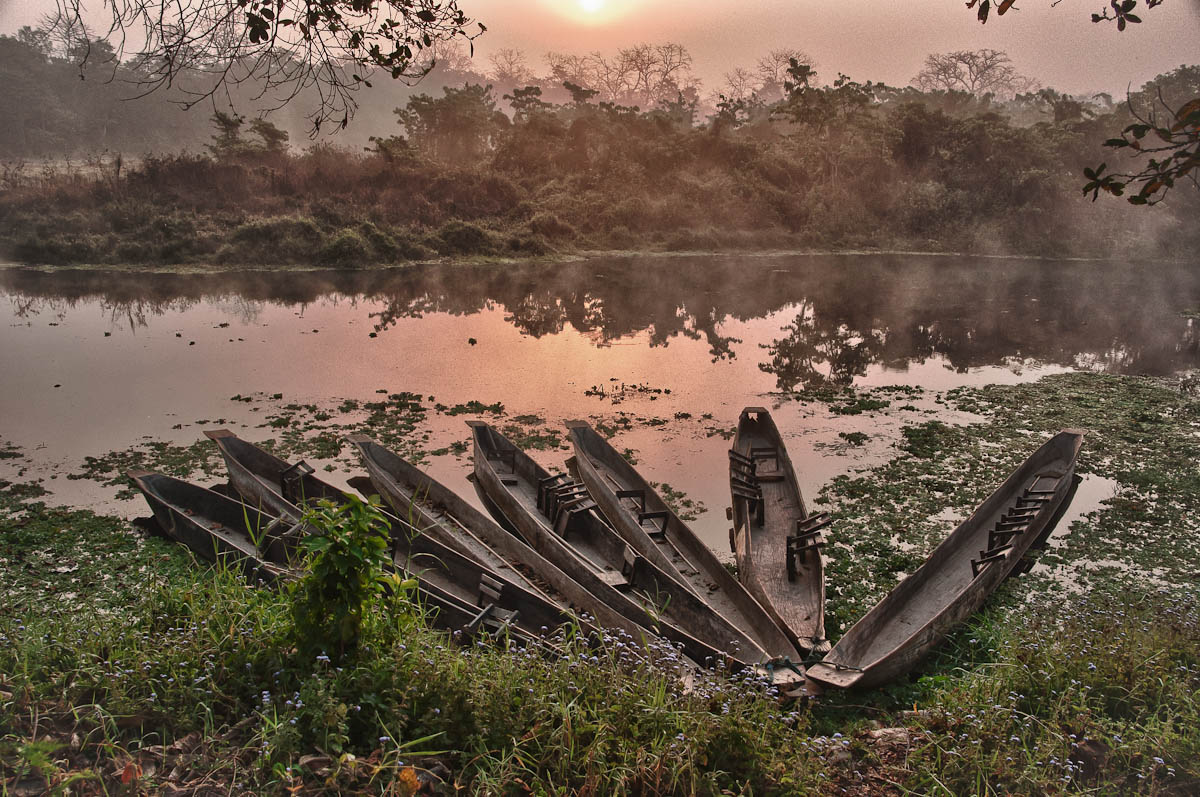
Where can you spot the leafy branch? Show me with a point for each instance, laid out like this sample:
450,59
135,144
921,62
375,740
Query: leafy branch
1173,157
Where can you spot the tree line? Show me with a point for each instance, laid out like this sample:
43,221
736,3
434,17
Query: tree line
470,165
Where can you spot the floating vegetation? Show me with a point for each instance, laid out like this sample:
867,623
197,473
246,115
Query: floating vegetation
471,408
173,460
688,509
616,391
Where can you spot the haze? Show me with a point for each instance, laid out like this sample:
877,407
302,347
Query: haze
866,39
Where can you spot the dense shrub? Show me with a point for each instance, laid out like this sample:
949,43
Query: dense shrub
463,238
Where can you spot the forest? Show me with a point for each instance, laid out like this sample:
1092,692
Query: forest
621,152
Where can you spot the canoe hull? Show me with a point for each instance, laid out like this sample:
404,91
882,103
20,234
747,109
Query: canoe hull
522,472
211,525
795,601
917,614
397,480
604,471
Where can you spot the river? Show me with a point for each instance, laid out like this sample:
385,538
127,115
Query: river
96,361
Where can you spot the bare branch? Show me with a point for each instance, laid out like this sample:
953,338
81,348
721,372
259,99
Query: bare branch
283,46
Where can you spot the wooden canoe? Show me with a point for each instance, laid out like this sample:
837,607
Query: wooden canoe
558,520
503,595
267,481
959,575
776,543
644,520
441,513
213,526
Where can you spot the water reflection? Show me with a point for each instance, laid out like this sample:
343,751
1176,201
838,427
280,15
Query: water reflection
816,319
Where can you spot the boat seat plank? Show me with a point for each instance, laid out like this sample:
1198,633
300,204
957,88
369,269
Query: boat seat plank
291,481
750,485
813,523
993,551
546,484
507,457
615,580
797,548
491,619
999,537
745,491
656,515
638,496
489,588
560,495
741,459
1022,511
978,565
581,504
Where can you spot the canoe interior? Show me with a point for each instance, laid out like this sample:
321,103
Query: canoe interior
477,585
435,511
637,511
629,580
450,572
248,464
795,599
519,474
953,582
213,526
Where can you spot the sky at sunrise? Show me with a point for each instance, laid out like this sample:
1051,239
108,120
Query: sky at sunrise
866,39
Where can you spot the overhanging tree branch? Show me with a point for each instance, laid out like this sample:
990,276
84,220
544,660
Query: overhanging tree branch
284,46
1176,154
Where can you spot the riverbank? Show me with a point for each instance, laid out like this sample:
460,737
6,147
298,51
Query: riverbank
1080,675
334,208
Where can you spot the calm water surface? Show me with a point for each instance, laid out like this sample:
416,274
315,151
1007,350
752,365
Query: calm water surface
94,361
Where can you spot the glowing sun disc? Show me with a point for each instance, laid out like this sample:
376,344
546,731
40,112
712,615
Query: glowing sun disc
591,6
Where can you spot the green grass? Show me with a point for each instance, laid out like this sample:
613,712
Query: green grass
194,651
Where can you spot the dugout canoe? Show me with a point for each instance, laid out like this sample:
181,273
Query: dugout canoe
213,526
557,519
502,595
283,489
644,520
266,481
441,513
959,575
219,528
775,541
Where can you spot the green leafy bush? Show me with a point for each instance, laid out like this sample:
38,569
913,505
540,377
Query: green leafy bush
345,555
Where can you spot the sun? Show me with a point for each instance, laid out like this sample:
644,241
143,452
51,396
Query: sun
591,6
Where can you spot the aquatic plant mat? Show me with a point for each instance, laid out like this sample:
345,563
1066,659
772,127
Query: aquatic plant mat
124,667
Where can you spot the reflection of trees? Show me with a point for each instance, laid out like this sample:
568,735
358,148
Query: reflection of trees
812,353
538,314
847,312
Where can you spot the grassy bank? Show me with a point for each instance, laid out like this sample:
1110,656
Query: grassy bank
142,671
